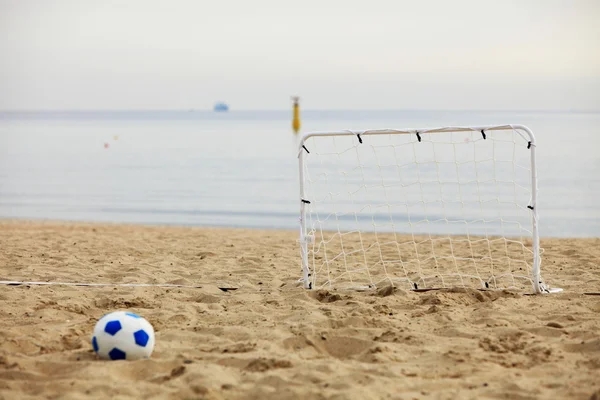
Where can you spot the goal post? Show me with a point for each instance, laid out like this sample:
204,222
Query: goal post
420,208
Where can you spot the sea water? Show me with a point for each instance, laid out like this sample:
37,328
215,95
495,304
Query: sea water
240,169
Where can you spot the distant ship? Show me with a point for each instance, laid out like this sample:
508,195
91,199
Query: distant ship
221,107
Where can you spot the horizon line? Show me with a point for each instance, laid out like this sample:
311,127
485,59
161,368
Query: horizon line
188,110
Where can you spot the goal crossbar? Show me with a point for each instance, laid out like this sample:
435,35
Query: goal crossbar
307,233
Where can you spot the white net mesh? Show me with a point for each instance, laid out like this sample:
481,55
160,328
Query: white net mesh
448,210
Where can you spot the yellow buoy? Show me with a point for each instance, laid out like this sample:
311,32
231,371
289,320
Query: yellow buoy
296,120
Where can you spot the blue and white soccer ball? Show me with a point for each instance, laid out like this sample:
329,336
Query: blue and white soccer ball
123,335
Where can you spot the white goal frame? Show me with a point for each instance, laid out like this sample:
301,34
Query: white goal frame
305,239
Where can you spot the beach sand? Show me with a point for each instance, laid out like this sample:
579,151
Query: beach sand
270,339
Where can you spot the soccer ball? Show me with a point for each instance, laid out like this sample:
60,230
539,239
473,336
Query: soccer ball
123,335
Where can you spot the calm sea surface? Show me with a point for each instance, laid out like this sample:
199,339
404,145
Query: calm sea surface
239,169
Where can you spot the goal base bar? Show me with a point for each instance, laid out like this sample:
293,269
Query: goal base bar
424,290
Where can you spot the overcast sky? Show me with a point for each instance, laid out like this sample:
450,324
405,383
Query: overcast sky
367,54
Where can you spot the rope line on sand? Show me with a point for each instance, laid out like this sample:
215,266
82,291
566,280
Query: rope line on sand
165,285
223,288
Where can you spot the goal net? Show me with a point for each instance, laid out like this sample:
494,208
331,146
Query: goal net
420,209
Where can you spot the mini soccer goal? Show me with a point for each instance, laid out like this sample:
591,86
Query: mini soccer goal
420,209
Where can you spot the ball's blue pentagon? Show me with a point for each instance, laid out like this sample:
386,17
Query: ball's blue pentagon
95,344
112,327
116,354
132,315
141,338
